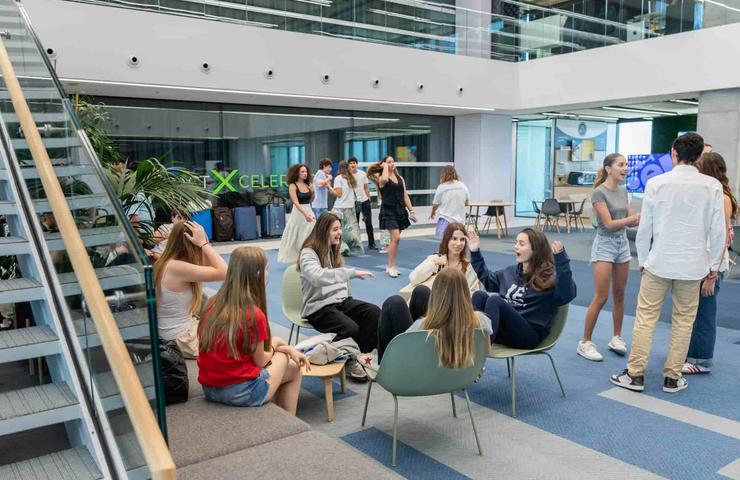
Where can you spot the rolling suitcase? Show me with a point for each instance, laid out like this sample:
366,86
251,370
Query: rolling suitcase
245,223
273,220
203,218
223,224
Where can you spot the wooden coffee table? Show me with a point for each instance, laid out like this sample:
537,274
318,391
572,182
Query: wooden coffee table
327,373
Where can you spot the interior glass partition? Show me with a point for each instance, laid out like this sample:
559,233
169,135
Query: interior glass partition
534,164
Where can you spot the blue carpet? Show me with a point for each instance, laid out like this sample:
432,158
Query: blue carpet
411,463
316,386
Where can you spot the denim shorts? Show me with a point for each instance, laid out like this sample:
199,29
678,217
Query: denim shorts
611,248
251,393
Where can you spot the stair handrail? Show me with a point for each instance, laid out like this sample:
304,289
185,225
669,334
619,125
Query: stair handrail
154,448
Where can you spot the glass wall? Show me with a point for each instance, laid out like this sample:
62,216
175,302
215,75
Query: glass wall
261,143
510,30
534,164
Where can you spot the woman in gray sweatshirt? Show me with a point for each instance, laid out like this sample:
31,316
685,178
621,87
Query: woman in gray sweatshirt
327,302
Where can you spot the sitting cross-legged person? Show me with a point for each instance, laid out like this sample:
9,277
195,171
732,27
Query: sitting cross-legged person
525,296
450,313
240,362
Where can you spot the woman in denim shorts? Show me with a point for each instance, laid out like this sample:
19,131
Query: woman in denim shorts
240,362
610,253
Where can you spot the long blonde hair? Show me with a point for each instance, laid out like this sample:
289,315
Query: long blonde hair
602,175
180,248
233,309
451,316
318,241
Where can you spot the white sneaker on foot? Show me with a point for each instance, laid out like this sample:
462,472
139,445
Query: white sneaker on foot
695,368
356,372
618,345
393,272
588,351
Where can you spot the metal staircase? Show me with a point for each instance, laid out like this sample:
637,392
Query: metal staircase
55,372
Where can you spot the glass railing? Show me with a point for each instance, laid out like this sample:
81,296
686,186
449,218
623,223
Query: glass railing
511,30
116,255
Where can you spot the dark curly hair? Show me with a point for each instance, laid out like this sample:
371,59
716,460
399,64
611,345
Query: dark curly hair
294,171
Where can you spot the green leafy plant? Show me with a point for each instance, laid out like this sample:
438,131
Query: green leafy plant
93,119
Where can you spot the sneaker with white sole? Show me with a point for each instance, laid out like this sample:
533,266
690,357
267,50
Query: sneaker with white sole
694,368
624,380
356,372
618,345
369,361
672,385
588,351
392,272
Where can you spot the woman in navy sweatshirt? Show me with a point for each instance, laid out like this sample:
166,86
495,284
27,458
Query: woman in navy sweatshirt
524,296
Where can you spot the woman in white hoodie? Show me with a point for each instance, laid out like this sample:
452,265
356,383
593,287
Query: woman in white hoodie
327,303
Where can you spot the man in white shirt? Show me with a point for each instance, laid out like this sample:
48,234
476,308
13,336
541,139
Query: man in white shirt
362,193
679,243
322,186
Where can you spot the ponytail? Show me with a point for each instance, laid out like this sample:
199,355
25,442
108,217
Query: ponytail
600,177
608,162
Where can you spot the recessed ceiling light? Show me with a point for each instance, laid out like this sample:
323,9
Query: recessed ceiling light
639,110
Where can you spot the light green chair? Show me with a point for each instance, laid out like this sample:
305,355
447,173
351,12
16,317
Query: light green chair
510,354
291,295
410,368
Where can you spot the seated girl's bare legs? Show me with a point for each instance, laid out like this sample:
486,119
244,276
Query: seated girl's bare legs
287,395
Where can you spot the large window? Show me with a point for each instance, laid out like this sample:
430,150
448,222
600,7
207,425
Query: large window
263,142
534,170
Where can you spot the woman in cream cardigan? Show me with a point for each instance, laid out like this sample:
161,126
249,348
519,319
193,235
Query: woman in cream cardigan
452,254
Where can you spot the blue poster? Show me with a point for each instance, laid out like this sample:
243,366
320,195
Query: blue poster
641,168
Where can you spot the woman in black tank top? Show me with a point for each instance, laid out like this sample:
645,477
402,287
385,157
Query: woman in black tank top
301,219
395,206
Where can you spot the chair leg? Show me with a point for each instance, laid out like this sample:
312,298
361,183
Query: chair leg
562,390
367,401
290,337
513,387
395,429
472,420
454,410
297,335
508,368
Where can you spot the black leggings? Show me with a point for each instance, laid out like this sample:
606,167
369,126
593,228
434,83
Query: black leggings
367,216
396,316
350,318
508,326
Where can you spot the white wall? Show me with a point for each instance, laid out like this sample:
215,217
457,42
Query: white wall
93,43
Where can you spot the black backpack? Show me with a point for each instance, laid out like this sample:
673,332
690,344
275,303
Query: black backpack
223,224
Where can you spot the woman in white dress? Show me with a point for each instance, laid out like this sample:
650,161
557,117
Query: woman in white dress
301,219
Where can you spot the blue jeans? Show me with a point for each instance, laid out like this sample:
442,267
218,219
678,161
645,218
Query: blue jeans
704,334
508,326
251,393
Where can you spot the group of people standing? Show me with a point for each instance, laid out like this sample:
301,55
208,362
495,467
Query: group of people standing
352,199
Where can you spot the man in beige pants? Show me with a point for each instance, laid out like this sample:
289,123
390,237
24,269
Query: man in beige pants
680,242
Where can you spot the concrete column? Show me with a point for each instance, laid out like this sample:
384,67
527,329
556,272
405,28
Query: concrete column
719,124
472,23
484,156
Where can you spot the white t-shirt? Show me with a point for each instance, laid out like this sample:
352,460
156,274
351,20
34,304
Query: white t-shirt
347,200
451,198
361,179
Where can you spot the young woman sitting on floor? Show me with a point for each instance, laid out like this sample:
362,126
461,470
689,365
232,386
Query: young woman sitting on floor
526,295
240,362
188,260
452,254
327,303
450,314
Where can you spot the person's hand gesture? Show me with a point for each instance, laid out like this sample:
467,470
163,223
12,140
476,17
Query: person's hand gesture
363,274
635,220
329,177
195,233
440,260
557,247
473,241
309,217
300,359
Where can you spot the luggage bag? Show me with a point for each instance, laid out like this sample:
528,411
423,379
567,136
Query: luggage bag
245,223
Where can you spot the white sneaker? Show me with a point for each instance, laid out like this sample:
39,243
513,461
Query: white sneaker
356,372
588,351
618,345
369,361
695,368
393,272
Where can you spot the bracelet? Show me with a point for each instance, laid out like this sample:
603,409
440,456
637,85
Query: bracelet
201,246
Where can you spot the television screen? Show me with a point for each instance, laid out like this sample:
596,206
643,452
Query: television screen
641,168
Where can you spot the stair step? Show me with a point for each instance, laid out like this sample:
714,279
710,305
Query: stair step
73,464
39,118
110,277
75,202
24,343
91,237
127,319
8,208
14,246
61,142
20,290
35,94
37,406
61,171
110,395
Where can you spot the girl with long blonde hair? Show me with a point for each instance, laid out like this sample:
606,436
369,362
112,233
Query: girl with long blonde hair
450,316
450,199
188,260
240,362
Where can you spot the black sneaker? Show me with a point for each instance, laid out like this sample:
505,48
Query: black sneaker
372,247
624,380
672,385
